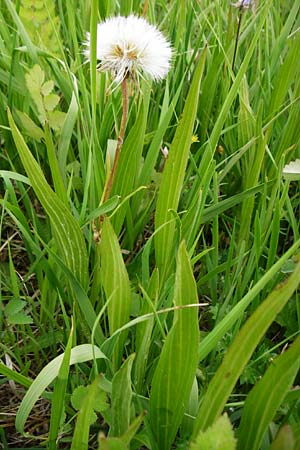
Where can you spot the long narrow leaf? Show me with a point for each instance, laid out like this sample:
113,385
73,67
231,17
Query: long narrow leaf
69,238
240,352
121,398
58,400
176,369
266,396
173,175
115,283
81,353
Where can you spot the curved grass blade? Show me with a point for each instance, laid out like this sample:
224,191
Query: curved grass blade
68,236
241,350
176,369
81,353
266,397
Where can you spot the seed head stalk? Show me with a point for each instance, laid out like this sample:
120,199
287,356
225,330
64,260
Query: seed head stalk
109,184
241,10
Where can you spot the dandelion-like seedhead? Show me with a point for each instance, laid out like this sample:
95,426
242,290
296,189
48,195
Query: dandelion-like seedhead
291,171
131,47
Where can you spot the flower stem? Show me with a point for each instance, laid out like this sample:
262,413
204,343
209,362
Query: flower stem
237,35
109,184
120,141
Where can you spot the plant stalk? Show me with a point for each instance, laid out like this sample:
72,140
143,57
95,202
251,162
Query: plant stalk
109,184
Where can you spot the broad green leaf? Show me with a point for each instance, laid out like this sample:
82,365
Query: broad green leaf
19,318
34,81
176,368
30,128
58,399
219,436
241,350
68,236
121,399
79,354
47,87
266,396
115,283
80,439
14,306
173,174
51,101
56,119
100,403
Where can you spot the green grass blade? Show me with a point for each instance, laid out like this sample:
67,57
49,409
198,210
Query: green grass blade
241,350
176,369
81,353
266,397
116,285
210,341
69,238
58,399
121,399
173,175
22,31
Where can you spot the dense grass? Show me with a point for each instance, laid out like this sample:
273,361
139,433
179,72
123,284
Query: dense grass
186,307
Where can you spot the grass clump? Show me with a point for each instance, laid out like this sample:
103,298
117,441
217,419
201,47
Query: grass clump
151,303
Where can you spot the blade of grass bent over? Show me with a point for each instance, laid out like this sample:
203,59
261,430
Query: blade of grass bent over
81,353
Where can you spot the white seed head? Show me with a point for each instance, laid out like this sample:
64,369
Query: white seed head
291,171
130,46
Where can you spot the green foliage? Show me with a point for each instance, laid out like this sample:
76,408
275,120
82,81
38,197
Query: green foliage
173,176
121,398
45,100
185,305
42,23
176,368
219,436
265,398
